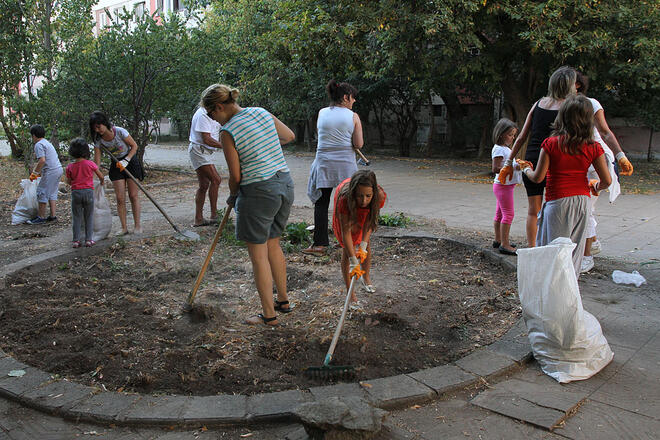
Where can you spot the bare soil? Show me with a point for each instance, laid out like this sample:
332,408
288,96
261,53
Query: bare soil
116,319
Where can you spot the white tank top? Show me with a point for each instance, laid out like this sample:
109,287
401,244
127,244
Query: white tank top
335,127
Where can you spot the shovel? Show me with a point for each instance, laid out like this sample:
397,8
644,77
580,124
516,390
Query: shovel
181,235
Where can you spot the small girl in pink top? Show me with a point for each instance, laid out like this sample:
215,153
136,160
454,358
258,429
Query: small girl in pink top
80,175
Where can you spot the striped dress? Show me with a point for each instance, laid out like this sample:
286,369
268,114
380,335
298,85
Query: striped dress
258,146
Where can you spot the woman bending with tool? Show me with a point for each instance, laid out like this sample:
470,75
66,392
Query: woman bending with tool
357,204
261,190
340,132
122,146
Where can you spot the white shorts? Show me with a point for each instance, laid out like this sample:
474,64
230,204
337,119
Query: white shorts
199,156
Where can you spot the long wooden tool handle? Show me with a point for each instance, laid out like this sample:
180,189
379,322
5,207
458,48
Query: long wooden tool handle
202,271
335,338
362,156
144,190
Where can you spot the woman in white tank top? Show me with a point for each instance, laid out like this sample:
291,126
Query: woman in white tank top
339,133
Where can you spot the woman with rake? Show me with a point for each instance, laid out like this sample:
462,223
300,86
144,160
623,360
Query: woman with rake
261,190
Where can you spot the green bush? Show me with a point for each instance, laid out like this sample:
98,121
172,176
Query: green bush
397,220
295,237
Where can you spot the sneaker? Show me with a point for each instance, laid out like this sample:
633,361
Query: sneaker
36,221
595,247
76,244
89,243
587,264
51,218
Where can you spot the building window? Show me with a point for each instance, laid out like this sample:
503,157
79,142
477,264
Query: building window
175,5
159,6
139,10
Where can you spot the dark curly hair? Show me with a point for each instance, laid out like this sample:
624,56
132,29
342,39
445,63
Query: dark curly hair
79,148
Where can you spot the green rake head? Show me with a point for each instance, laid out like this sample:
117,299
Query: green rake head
329,372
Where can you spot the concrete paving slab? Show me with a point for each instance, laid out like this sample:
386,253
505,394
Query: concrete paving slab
275,406
484,362
458,419
444,378
508,403
58,395
103,407
165,410
555,397
8,364
596,420
14,387
517,352
397,391
339,390
220,409
628,330
636,387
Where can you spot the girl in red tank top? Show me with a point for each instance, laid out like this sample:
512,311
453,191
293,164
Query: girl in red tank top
357,204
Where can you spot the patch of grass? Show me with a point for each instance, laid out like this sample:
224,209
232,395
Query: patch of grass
229,232
397,220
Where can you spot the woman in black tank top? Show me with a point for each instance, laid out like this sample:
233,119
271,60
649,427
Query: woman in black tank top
537,128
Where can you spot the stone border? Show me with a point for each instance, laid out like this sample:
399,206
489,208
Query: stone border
39,390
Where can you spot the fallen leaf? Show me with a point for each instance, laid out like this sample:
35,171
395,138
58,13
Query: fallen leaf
366,385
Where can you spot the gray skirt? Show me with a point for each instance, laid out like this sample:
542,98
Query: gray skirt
565,217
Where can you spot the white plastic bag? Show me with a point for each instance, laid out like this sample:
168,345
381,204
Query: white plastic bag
635,278
26,206
567,341
102,214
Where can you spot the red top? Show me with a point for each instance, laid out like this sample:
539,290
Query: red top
567,174
81,174
341,207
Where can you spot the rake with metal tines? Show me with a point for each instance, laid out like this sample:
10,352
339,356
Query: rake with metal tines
327,371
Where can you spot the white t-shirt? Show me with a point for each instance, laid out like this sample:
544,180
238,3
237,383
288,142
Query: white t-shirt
202,123
504,152
608,153
117,146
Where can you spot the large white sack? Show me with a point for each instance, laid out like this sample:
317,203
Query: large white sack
566,340
102,214
27,205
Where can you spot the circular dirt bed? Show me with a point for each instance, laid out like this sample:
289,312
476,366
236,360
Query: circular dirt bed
116,320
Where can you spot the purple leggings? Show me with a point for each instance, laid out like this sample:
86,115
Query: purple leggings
504,210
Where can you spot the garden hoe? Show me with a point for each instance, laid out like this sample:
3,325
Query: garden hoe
187,307
327,371
181,235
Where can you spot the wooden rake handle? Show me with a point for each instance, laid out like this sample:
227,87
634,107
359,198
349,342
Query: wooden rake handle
202,271
362,156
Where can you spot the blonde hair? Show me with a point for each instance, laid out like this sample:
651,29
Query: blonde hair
218,94
574,124
561,82
502,126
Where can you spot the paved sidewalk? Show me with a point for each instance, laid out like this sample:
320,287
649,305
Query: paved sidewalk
621,402
628,229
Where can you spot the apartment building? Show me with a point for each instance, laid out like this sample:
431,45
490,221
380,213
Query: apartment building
105,11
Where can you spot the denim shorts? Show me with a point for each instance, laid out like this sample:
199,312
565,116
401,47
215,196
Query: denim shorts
262,208
48,185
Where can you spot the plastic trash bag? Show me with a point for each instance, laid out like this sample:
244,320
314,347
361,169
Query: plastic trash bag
27,205
635,278
102,214
566,340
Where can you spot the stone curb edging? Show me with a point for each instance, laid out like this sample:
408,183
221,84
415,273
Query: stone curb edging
39,390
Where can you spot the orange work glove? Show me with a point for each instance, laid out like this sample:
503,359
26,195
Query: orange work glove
33,176
122,164
357,270
524,164
505,172
593,184
361,252
625,167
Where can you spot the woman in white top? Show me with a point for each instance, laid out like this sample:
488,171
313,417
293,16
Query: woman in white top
204,141
339,133
613,151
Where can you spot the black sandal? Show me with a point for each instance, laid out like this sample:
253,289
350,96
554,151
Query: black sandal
278,306
266,321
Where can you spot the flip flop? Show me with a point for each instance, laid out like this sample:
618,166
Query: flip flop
204,223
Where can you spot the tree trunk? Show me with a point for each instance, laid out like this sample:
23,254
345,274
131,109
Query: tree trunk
300,131
455,113
649,155
431,135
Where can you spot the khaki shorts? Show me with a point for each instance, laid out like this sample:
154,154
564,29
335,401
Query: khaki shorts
199,156
262,208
